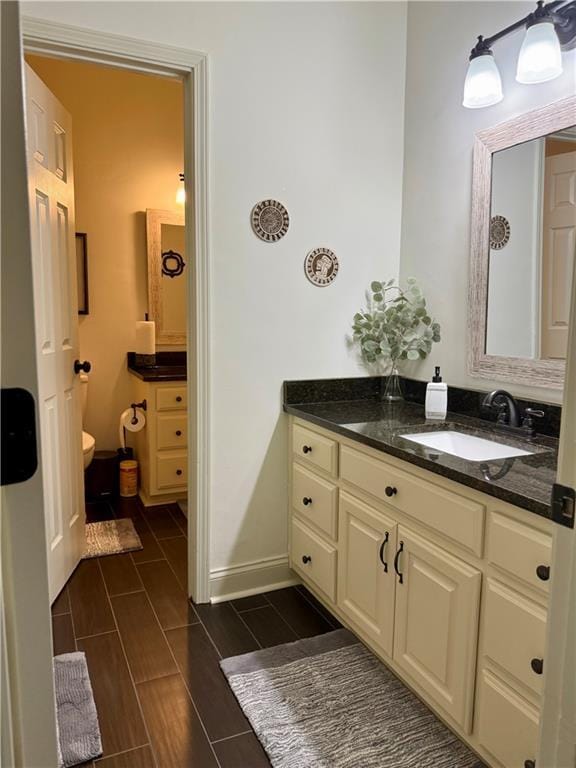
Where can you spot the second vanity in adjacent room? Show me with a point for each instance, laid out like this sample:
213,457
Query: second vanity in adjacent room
440,564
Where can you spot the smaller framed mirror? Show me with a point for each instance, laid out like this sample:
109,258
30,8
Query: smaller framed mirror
167,275
523,247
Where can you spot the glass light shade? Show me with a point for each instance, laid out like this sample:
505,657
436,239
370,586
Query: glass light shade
181,195
483,85
540,57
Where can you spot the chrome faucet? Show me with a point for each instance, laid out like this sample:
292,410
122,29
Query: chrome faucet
508,411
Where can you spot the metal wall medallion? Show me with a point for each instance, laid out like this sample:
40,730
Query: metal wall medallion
321,266
270,220
499,232
172,264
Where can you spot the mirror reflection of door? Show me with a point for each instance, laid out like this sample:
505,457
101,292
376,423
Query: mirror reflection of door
531,271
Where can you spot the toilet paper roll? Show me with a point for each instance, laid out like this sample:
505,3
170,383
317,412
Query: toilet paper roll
145,337
126,422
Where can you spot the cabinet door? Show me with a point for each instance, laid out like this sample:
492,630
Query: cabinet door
436,628
366,580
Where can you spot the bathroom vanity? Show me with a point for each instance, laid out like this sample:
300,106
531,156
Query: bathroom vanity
162,446
439,564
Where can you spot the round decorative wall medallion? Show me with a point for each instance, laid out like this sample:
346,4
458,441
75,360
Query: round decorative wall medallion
321,266
270,220
499,232
172,264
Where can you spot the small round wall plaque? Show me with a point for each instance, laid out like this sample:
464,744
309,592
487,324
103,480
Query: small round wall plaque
321,266
499,232
270,220
172,264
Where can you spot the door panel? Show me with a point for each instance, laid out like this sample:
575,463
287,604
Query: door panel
51,193
435,633
366,582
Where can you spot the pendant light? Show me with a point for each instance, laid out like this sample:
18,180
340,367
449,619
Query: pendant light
483,84
540,57
181,191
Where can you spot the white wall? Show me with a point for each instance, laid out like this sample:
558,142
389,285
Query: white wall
307,104
513,322
439,135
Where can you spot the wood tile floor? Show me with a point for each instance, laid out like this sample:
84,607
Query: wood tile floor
153,657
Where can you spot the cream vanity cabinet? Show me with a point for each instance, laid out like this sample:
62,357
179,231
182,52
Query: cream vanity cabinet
447,585
162,446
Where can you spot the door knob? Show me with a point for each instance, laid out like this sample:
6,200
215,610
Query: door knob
529,764
390,490
306,559
543,572
306,500
85,366
307,448
537,665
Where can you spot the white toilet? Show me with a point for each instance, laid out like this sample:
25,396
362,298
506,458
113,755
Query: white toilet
88,442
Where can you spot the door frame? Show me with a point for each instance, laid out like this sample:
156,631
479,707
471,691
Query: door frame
64,41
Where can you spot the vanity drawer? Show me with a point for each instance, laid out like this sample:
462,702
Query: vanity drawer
320,568
519,549
506,724
171,431
171,398
315,499
514,633
315,449
456,517
172,471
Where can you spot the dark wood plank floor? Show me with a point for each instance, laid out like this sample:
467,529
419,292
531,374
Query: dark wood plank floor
162,699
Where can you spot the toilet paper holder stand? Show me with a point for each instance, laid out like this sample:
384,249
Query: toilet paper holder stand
141,405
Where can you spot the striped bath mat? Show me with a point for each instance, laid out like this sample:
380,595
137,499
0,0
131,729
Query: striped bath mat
327,702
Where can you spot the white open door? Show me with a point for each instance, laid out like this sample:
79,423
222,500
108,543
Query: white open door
28,735
558,722
558,252
51,194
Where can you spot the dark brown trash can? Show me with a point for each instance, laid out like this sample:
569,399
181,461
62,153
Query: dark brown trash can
101,478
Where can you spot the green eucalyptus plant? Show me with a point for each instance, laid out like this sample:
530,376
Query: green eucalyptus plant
396,324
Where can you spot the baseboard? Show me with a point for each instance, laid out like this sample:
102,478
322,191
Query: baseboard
160,499
266,575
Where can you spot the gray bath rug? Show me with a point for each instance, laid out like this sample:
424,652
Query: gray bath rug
327,702
76,716
111,537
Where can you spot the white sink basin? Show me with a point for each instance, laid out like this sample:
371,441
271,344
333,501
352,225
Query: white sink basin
466,446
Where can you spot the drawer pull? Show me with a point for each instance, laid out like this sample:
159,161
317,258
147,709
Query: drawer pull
178,433
178,471
543,572
390,490
306,500
306,559
384,563
307,449
396,561
537,666
178,398
529,763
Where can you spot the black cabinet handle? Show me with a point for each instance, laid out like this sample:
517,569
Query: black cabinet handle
390,490
178,398
537,666
307,449
396,561
178,432
306,500
529,763
384,563
178,471
85,366
543,572
306,559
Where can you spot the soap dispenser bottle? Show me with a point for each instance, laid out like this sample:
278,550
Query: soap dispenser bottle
436,397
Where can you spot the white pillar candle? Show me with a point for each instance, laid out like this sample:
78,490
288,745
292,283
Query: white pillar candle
145,338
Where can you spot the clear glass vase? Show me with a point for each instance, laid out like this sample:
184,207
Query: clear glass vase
393,388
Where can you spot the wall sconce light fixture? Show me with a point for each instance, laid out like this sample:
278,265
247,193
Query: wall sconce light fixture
550,29
181,192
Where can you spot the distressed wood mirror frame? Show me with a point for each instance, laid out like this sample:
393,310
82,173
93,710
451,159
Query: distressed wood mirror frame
154,220
531,125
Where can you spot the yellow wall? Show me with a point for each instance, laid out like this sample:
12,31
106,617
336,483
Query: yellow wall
128,152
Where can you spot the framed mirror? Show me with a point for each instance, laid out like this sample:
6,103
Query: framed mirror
167,275
523,247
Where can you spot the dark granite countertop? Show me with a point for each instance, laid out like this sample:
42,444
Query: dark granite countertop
525,481
169,366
